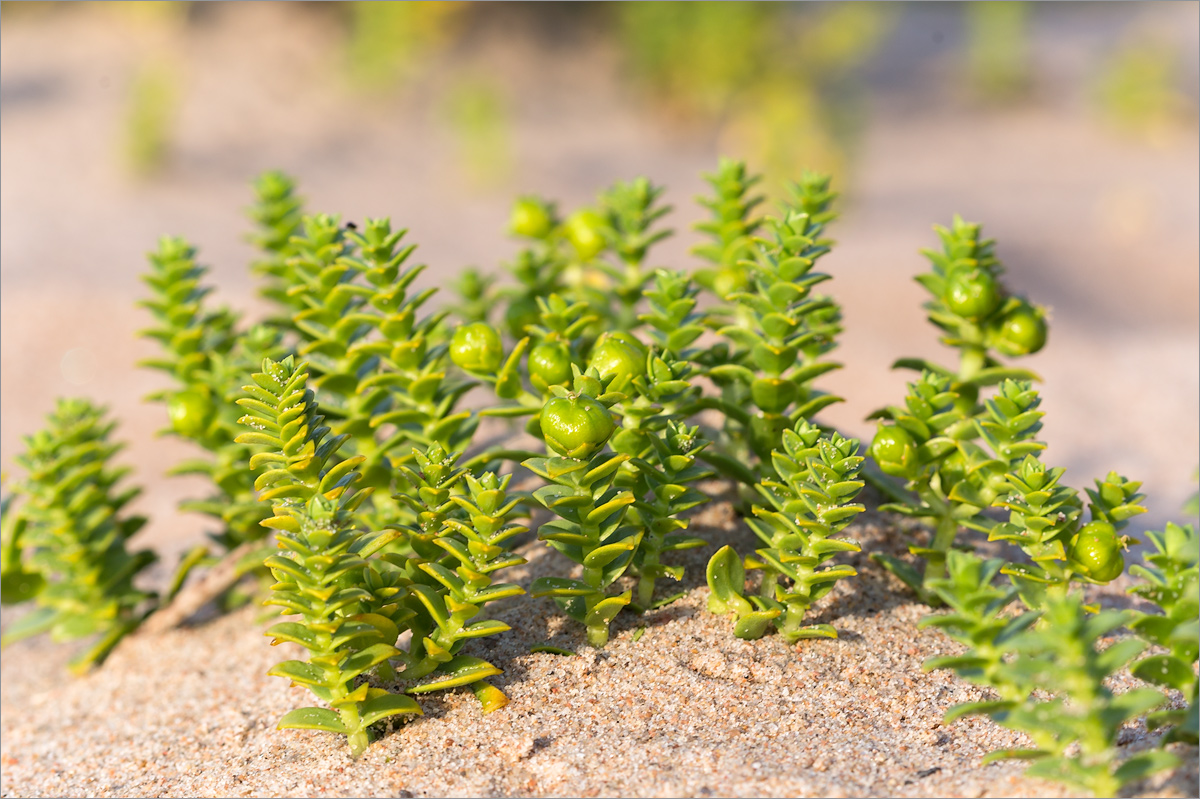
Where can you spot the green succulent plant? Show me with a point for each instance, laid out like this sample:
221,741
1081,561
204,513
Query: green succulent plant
807,505
65,536
206,354
1050,676
782,332
929,442
357,481
321,570
1170,579
590,528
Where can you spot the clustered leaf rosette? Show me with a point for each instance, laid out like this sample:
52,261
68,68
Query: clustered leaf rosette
322,572
630,211
783,333
206,353
809,503
460,539
672,322
1171,580
357,591
977,312
733,223
953,478
590,528
64,537
1049,652
277,214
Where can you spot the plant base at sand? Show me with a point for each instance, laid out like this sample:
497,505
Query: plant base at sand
809,503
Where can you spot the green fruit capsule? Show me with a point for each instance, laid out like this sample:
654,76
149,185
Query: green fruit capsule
531,218
476,348
1021,331
972,293
772,394
191,412
1097,550
576,426
615,355
895,451
550,365
585,231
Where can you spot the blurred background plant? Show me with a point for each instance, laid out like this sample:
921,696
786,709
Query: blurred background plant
1138,89
778,81
153,103
476,111
998,49
386,42
783,85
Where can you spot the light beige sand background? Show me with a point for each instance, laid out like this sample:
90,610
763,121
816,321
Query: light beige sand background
1099,225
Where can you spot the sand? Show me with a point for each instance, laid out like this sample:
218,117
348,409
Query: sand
685,710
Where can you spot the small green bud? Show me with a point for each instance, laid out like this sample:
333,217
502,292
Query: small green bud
531,218
476,348
895,451
1097,549
1021,331
585,231
191,412
972,293
576,426
618,355
550,365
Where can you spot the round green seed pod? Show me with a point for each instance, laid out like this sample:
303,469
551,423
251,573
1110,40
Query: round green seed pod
585,231
1021,331
476,348
895,451
191,412
550,365
531,218
616,356
1096,549
972,293
576,426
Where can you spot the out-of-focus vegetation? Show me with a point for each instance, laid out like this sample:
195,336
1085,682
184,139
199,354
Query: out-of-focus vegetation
779,83
476,111
1138,89
386,41
778,80
998,49
150,114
